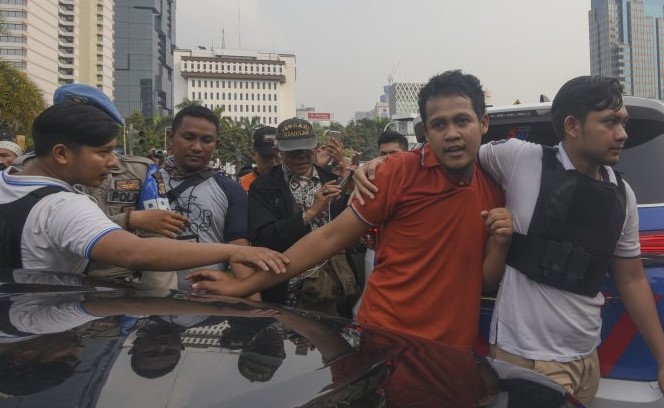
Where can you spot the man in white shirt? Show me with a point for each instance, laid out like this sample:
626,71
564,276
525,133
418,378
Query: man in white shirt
58,228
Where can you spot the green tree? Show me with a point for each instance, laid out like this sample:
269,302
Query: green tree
361,136
235,140
21,99
186,102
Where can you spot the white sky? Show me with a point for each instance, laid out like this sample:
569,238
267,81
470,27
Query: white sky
345,49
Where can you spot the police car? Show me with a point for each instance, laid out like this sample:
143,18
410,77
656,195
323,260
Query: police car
629,371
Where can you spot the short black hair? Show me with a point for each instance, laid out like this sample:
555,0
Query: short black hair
390,136
73,125
453,83
582,95
196,111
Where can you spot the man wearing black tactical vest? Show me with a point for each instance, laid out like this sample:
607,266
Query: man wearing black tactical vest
582,223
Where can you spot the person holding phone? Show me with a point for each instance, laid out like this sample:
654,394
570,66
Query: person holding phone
290,201
331,155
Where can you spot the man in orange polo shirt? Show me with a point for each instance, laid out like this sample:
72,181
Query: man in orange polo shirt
444,233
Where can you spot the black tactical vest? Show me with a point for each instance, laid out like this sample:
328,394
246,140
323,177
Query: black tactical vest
574,229
12,219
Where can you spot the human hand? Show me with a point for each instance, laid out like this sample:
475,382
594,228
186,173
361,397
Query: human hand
362,177
212,281
322,197
260,258
322,157
336,149
499,223
162,222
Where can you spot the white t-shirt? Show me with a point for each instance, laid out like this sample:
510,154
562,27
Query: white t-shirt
61,229
533,320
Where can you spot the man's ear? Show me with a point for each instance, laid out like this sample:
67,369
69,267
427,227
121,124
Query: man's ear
484,123
572,127
61,154
169,134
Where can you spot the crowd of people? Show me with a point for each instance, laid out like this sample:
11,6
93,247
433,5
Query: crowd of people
442,223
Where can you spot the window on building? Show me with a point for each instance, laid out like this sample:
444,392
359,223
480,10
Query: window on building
193,95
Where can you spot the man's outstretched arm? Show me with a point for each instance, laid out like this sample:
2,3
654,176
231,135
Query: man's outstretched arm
309,251
125,249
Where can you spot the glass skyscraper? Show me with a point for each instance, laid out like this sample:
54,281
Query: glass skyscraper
627,42
144,38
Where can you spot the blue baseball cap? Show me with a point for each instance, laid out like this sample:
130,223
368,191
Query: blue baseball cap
87,95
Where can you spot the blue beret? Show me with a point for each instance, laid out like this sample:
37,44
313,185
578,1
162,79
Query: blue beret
87,95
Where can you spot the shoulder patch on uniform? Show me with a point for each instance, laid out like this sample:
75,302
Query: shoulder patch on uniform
121,196
128,185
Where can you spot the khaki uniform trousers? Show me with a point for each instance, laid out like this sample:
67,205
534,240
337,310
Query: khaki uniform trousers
579,377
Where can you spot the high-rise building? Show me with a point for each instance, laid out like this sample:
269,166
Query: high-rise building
244,83
627,42
60,41
95,44
30,41
144,38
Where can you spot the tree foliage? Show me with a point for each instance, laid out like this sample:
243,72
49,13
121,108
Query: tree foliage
235,136
186,102
21,100
152,131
